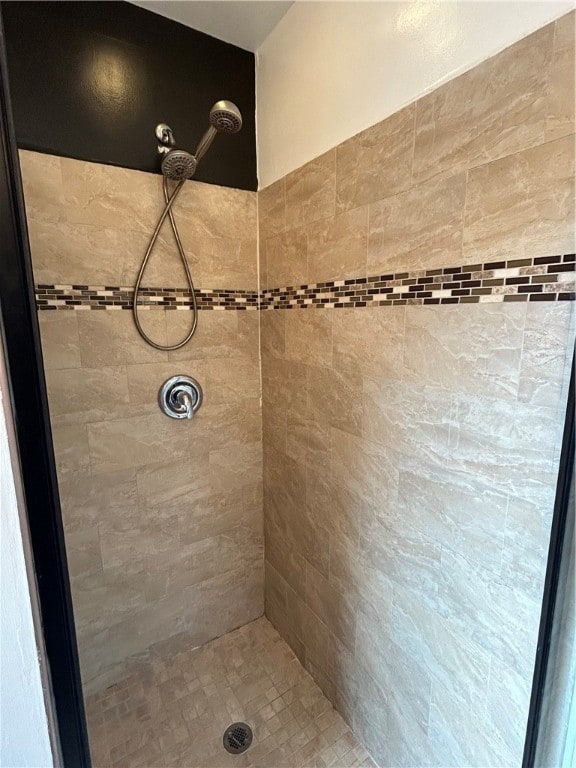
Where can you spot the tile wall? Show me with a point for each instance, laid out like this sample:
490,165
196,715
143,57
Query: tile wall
411,441
411,417
163,518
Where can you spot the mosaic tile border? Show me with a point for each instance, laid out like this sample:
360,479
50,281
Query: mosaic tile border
115,297
542,278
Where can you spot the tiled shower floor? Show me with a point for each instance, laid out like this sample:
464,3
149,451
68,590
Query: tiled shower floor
174,704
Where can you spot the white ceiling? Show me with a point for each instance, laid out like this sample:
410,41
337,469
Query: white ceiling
241,22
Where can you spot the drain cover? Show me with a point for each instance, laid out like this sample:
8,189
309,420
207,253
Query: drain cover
237,738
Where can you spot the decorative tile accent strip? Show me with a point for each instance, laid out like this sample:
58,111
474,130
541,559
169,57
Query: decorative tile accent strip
543,278
113,297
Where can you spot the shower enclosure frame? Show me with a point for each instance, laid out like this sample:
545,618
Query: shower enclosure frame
556,552
29,405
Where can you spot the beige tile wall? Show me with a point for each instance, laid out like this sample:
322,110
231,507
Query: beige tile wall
482,168
410,453
163,518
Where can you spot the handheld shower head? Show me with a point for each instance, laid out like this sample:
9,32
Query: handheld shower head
225,117
178,164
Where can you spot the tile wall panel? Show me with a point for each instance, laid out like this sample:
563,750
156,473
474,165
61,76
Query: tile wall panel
162,535
412,429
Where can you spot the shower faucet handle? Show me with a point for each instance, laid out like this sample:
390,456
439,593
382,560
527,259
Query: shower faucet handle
186,399
180,397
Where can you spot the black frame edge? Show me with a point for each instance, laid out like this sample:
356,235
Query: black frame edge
555,552
23,357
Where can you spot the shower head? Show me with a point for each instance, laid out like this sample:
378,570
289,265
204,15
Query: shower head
225,117
178,164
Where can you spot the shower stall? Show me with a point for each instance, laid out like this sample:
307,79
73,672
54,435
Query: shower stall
306,434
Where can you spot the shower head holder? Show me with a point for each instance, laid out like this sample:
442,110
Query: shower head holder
165,136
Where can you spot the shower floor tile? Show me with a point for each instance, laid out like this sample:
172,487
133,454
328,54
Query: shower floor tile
174,704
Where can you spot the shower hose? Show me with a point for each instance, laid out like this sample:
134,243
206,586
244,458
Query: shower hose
169,202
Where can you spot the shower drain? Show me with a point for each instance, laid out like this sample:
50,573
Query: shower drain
237,738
